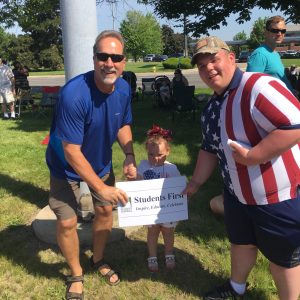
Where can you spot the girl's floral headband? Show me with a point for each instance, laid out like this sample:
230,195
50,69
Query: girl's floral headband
159,131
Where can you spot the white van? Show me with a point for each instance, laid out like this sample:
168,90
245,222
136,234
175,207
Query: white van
149,57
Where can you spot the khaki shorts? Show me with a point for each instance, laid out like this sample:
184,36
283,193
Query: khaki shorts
7,97
64,196
165,225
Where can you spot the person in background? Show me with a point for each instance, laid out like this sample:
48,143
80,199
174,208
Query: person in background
93,111
21,77
265,59
7,90
179,79
293,77
156,166
251,128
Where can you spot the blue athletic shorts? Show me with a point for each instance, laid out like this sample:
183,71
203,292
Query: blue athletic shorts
273,228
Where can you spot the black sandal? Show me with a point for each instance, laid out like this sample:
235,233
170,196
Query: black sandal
73,295
102,264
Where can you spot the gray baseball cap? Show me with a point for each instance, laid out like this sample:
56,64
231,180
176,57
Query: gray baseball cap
209,44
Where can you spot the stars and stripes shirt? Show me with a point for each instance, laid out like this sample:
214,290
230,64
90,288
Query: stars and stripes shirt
253,105
148,171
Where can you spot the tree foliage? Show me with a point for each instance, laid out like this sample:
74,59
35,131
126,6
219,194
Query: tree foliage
174,42
206,14
4,41
240,36
142,34
40,23
19,49
257,34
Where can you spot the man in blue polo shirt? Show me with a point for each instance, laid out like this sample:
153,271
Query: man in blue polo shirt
93,112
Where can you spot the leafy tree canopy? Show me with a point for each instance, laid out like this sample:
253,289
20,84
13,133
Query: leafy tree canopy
206,14
40,23
240,36
257,35
174,42
142,34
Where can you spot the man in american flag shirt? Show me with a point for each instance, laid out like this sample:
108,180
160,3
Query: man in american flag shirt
251,127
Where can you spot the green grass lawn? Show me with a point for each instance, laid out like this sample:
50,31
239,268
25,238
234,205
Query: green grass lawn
31,269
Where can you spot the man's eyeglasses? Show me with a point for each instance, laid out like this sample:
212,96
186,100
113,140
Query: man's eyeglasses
114,57
274,30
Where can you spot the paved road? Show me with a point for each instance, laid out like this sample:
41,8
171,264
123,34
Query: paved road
191,75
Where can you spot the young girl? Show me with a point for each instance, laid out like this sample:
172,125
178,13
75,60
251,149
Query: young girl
158,148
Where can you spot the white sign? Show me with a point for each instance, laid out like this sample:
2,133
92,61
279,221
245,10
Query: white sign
153,201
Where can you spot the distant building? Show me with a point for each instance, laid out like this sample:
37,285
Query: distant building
292,39
290,42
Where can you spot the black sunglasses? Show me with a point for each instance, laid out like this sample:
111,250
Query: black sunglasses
273,30
114,57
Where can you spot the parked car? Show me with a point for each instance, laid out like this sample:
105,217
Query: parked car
290,54
281,53
149,57
244,55
176,55
160,58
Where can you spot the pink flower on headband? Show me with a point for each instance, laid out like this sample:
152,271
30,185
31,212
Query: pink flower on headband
159,131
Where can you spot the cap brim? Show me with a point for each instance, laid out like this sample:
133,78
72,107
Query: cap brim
193,60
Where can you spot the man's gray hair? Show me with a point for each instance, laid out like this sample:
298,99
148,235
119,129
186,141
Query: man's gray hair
105,34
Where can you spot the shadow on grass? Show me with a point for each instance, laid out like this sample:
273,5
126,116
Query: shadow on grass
22,248
25,191
33,121
127,255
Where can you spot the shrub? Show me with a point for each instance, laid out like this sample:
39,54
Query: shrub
177,62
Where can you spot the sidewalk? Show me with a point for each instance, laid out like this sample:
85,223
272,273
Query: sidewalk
44,227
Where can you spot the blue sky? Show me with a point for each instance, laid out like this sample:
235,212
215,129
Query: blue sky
105,18
109,18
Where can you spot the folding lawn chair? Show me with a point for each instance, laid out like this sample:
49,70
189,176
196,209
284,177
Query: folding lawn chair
183,97
148,87
130,77
23,100
49,99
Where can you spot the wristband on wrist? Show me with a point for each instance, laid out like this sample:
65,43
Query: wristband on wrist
129,153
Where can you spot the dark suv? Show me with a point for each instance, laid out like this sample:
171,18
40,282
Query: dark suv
244,55
160,58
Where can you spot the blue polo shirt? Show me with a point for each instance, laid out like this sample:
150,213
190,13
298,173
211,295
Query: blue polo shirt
265,60
87,117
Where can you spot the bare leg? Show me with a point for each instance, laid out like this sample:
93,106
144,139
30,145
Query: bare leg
243,258
11,107
168,235
102,226
217,205
68,242
287,281
152,238
3,107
